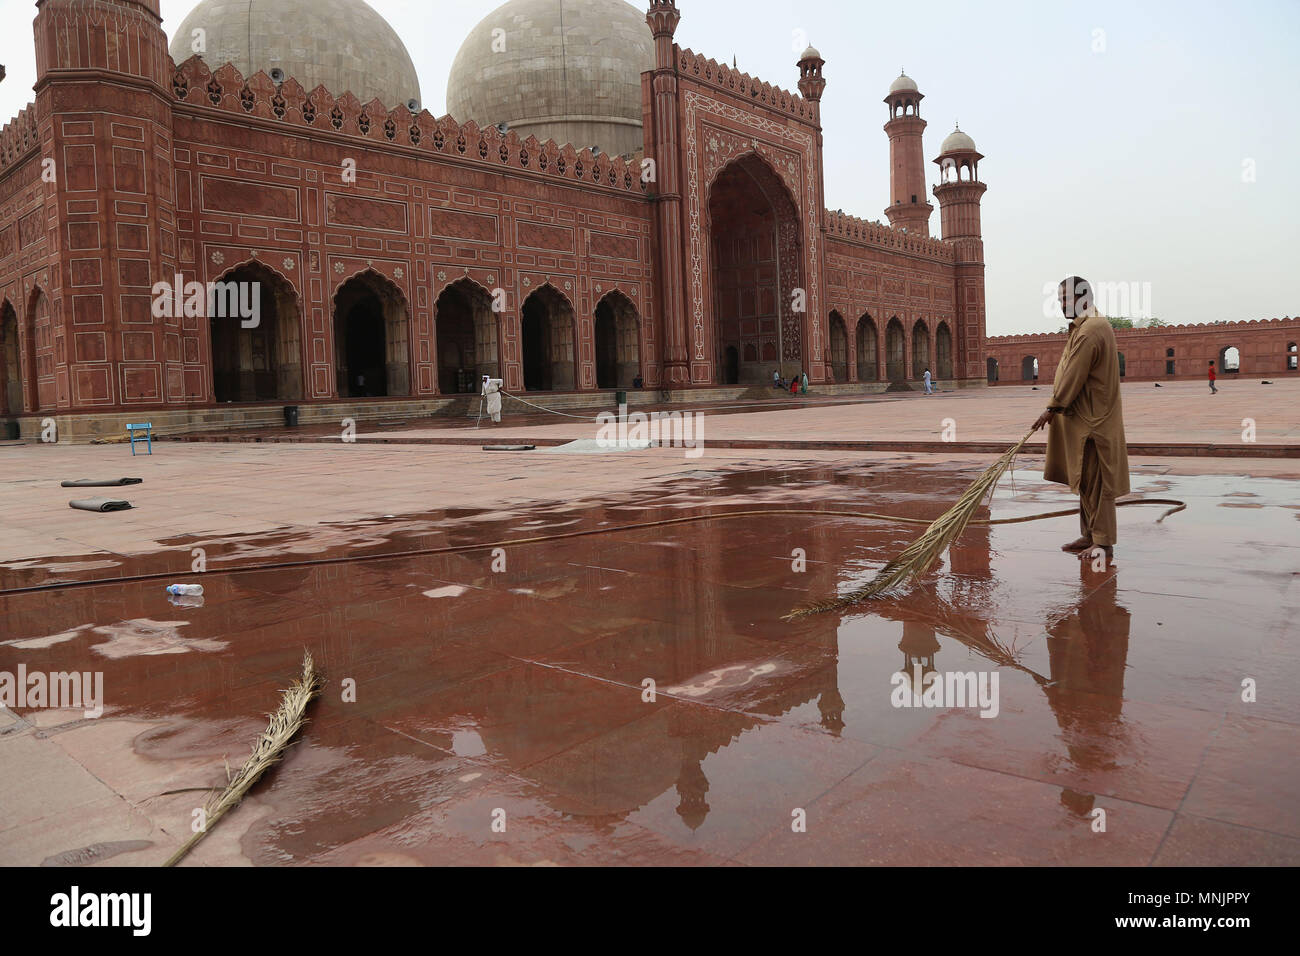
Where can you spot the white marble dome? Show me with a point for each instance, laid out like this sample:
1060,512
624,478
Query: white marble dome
568,70
957,140
339,44
903,83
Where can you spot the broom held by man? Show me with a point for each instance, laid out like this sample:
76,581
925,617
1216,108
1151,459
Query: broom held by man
1086,447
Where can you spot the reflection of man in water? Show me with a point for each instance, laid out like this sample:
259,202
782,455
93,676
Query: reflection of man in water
1088,652
1086,447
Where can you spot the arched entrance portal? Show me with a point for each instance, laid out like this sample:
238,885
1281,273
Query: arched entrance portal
371,338
11,375
618,342
548,342
921,350
1230,359
1029,369
263,363
839,341
943,351
467,338
756,258
895,362
991,365
867,370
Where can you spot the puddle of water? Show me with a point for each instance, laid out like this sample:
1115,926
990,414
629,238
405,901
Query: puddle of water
639,693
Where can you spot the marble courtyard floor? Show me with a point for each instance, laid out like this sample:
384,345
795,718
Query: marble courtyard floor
509,685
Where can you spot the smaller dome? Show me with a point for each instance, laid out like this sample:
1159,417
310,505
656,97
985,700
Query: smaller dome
810,54
903,83
957,140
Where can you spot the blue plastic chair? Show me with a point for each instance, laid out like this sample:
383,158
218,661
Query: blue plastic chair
147,437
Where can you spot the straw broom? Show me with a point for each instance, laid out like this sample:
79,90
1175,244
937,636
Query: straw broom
925,551
269,749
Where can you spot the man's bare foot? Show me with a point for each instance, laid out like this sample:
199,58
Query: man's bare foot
1077,545
1093,552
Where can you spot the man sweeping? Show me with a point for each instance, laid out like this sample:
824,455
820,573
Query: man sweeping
1086,448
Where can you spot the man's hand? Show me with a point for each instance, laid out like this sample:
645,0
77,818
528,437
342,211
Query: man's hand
1044,419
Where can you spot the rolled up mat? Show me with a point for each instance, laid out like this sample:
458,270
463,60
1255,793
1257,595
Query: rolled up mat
100,504
510,448
101,482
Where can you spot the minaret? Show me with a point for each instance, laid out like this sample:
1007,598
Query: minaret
909,208
959,193
103,96
659,94
816,330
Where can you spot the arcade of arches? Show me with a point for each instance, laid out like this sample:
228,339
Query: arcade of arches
756,259
262,363
467,338
371,338
935,353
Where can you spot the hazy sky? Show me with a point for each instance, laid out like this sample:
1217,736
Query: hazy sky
1120,138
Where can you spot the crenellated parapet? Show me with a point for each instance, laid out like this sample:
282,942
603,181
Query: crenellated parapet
1157,330
288,102
19,137
700,67
842,226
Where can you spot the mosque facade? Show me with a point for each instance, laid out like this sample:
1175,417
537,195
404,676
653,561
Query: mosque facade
262,214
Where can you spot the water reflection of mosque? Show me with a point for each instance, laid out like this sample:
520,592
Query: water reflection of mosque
612,770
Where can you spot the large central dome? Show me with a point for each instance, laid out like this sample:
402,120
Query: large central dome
339,44
568,70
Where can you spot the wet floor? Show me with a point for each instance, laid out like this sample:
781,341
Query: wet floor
502,713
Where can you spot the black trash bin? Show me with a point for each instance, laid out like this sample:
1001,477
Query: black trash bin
620,398
9,431
291,416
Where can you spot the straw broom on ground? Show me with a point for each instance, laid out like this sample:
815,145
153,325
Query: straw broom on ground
922,554
270,747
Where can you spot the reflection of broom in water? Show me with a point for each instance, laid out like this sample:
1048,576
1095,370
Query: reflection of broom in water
922,554
270,747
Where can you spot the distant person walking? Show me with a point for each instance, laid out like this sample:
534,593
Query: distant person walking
1086,447
929,388
803,378
1213,388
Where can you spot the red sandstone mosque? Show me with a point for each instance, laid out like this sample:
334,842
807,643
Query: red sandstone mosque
678,241
601,208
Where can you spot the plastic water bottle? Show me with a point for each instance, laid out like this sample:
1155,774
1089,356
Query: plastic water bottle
195,590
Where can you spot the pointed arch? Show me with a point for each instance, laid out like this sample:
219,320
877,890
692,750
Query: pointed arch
548,335
372,339
895,351
467,337
868,343
755,248
11,362
39,347
920,348
943,351
839,347
264,362
617,334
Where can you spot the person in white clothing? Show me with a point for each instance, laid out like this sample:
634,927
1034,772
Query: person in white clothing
929,389
492,390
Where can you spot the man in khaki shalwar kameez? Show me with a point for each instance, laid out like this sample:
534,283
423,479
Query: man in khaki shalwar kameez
1086,448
